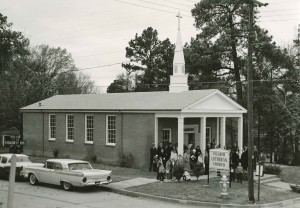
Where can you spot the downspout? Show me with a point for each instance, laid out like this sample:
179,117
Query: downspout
122,126
43,137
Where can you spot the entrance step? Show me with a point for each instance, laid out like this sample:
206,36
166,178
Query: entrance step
267,178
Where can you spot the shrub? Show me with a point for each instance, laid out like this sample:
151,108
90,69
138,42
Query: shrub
178,171
94,158
272,169
198,170
55,153
126,160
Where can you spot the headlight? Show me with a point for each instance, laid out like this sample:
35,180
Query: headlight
108,178
84,180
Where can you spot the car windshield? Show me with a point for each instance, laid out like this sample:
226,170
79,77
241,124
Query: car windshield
80,166
23,159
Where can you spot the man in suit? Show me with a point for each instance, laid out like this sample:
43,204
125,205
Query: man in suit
152,154
244,158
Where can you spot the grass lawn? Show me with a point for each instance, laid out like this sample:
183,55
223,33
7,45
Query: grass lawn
197,191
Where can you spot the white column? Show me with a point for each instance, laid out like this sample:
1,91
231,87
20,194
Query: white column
156,132
203,135
218,131
223,131
180,135
240,135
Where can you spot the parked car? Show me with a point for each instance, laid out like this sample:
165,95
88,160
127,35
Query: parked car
5,163
67,173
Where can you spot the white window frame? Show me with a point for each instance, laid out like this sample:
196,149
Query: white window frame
67,128
85,129
49,133
190,127
170,134
107,139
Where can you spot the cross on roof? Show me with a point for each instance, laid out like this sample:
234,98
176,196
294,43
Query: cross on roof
178,19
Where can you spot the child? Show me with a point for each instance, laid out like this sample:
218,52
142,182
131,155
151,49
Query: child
186,176
239,172
161,171
168,169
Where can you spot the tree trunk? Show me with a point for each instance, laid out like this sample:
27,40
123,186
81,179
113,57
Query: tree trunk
236,66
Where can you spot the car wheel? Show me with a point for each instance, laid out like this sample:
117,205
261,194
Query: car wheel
32,179
66,185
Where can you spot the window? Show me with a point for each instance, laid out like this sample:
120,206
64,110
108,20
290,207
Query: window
70,128
50,165
52,127
89,129
4,160
110,130
57,166
183,69
166,137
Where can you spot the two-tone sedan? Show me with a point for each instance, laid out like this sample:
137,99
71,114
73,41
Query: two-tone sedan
5,163
67,173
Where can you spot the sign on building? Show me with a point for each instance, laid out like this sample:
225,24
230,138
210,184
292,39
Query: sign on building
219,159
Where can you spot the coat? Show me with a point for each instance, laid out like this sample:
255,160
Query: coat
186,161
244,159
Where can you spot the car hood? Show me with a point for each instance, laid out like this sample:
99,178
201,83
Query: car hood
94,172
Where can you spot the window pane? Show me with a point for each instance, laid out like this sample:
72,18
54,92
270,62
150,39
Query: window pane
52,124
111,129
90,128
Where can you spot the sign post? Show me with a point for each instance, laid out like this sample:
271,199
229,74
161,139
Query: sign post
11,185
219,159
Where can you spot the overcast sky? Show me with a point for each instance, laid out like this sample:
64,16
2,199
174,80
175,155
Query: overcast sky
96,32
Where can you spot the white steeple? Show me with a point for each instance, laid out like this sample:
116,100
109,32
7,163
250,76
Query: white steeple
178,81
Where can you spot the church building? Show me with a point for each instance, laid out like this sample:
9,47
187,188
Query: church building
111,125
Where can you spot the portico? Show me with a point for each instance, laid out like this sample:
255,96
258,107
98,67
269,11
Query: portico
215,108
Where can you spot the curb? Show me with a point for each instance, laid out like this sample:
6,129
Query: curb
285,203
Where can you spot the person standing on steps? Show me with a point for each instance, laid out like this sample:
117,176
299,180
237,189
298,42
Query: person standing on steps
152,154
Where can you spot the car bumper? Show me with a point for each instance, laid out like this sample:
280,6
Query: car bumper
95,183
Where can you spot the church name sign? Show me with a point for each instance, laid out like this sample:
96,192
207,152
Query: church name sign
219,159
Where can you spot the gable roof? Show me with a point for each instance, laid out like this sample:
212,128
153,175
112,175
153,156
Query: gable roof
133,101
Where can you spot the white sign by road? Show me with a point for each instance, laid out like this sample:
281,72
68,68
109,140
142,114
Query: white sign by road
219,159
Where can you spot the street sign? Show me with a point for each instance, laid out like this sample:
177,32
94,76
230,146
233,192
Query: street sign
22,143
219,159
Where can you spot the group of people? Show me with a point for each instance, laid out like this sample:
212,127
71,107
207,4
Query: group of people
239,166
163,159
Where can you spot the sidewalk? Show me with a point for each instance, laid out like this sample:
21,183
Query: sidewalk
120,187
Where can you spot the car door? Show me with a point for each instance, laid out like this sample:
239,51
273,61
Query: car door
57,173
3,161
45,174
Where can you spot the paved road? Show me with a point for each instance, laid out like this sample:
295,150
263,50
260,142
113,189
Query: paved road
45,196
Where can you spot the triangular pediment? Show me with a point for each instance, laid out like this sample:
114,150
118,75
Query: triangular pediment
216,102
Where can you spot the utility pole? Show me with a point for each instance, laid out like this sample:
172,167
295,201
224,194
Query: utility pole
250,106
250,102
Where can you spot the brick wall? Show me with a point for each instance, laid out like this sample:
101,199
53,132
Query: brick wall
138,135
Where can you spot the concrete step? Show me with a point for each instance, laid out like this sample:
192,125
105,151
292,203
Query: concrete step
273,180
266,177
